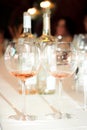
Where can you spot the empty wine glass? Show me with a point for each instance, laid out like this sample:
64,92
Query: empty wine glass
60,60
22,61
82,67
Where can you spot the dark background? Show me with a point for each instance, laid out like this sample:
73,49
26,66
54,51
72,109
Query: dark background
75,9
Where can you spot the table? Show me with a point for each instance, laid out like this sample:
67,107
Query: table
70,102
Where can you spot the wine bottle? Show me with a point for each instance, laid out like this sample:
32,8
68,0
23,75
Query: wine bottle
45,82
28,38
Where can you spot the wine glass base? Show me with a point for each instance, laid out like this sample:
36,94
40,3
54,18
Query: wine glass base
23,117
53,116
82,107
59,115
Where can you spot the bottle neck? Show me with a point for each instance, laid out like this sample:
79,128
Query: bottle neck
46,23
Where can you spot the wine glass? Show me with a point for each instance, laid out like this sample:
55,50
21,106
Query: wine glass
60,61
82,65
22,61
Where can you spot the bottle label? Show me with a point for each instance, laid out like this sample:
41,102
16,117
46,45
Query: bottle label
51,82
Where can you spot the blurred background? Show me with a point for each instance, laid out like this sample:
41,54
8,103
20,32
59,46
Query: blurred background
12,11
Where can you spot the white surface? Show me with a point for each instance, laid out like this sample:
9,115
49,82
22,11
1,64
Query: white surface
69,103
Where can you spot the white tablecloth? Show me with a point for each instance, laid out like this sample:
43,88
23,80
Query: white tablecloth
70,102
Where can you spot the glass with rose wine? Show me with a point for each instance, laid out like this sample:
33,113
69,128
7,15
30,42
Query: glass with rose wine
22,61
60,60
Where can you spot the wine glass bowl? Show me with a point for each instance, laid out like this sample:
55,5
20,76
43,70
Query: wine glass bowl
61,62
22,61
64,65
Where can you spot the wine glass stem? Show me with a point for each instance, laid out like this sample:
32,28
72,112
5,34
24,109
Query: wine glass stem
60,87
24,100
